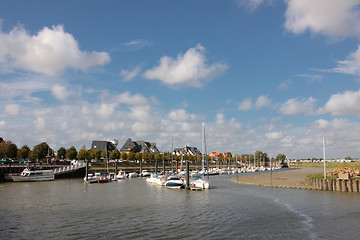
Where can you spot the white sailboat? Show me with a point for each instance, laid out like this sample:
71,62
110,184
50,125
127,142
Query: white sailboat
201,182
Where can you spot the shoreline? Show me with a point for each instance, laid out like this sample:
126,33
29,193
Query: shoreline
292,178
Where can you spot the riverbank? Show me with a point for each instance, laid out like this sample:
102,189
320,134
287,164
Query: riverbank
292,178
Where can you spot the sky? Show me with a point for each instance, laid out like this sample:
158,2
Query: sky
275,76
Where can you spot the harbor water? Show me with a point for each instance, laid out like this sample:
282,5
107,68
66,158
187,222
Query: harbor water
135,209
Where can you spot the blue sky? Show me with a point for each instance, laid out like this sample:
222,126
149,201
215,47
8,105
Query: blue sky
275,76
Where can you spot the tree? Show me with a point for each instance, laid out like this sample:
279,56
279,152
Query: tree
280,157
124,156
138,156
23,152
95,154
83,153
134,150
151,156
157,156
61,153
144,155
40,151
71,153
131,156
11,151
115,154
2,149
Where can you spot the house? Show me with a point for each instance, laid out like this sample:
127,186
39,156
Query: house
218,154
193,151
102,145
141,146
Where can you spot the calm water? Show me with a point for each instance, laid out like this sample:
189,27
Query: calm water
135,209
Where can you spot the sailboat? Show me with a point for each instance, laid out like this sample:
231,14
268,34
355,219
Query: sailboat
201,182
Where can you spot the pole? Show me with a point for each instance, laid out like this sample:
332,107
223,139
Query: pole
86,171
324,157
187,175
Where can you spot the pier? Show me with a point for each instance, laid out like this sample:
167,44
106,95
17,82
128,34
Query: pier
60,171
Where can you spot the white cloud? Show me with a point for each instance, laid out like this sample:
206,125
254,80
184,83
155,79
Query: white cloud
136,99
61,93
50,52
253,4
128,75
294,106
262,101
245,105
274,135
12,109
343,103
105,110
329,17
188,69
351,65
181,115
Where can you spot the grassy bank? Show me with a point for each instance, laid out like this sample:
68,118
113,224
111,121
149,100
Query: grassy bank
327,165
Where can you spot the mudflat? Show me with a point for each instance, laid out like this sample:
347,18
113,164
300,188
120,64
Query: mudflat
291,178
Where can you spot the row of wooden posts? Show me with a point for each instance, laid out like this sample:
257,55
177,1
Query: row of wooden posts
336,185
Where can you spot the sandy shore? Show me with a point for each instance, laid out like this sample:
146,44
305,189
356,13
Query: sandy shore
292,178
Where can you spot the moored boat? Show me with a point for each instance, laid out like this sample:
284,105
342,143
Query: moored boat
28,175
174,182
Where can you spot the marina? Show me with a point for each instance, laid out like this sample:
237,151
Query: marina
70,209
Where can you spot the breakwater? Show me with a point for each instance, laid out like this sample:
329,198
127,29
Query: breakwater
336,185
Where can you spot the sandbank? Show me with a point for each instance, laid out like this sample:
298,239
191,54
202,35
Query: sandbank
291,178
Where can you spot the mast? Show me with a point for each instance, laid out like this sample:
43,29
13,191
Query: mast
324,142
203,147
204,142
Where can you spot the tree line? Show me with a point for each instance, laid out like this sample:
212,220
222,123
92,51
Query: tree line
43,151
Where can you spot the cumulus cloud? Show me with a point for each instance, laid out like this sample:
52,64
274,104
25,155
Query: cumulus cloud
294,106
50,52
104,110
245,105
351,65
135,99
274,135
188,69
60,92
328,17
181,115
262,101
343,103
12,109
128,75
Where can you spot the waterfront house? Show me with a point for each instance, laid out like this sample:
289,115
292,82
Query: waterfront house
193,151
102,145
140,146
216,155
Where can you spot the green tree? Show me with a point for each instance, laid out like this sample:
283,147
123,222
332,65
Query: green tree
124,156
134,150
105,154
23,152
40,151
83,153
144,156
61,153
157,156
138,156
71,153
151,156
95,154
280,157
115,154
11,151
3,147
131,156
